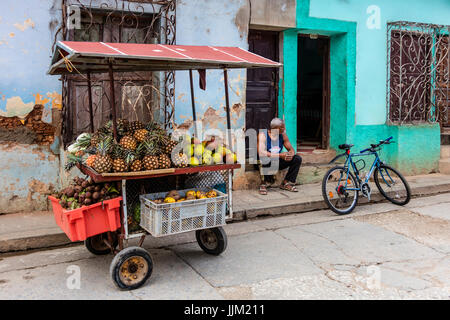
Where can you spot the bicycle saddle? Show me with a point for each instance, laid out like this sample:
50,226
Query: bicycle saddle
345,146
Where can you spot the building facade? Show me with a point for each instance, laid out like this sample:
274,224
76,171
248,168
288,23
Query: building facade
353,72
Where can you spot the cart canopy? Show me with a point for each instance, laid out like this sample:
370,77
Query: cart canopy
96,57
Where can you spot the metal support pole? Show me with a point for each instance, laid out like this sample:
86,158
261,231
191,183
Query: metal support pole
113,101
124,228
230,172
91,111
194,115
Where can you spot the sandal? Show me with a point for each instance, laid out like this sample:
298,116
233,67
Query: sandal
263,189
289,186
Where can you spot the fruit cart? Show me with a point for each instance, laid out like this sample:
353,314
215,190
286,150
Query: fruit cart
132,266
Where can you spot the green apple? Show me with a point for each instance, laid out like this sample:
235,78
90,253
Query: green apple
218,158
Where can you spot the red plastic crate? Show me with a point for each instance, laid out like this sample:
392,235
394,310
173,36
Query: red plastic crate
88,221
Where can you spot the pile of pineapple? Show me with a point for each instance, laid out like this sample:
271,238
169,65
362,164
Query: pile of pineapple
139,147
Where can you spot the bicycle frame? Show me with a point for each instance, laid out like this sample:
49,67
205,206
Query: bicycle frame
349,163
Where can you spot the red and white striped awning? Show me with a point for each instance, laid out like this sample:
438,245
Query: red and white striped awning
96,57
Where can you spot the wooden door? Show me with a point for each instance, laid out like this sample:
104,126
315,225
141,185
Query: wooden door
136,93
262,83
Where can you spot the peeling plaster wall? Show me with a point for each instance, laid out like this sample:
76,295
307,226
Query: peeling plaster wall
28,176
274,14
29,100
218,23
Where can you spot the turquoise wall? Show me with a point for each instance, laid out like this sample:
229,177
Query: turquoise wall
358,59
371,45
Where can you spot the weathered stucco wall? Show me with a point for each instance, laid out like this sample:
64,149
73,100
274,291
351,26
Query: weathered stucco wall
29,173
218,23
30,102
26,38
273,14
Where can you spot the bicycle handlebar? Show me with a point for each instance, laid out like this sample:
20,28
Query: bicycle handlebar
373,146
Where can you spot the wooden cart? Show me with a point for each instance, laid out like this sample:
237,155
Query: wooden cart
132,266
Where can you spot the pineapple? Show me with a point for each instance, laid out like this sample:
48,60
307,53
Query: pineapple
168,147
133,159
136,165
150,160
140,135
103,162
95,139
180,160
90,160
119,164
164,161
128,142
136,125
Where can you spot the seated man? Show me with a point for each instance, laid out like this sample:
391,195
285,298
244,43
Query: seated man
270,145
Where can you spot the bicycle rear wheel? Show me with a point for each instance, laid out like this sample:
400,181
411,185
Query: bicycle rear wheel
335,191
392,185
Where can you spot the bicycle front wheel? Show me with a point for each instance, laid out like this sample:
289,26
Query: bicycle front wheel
339,190
392,185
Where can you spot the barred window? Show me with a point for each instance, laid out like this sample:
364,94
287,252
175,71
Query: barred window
140,94
418,87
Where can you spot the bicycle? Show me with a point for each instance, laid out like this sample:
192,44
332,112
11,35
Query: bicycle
343,197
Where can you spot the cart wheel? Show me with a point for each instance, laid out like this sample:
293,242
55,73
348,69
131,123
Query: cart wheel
213,241
131,268
97,246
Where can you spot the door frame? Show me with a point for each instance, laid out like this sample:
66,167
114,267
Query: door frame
326,88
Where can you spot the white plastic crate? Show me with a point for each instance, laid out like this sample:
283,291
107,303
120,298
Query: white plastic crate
172,218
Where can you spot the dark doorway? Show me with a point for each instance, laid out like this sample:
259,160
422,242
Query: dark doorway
262,84
313,92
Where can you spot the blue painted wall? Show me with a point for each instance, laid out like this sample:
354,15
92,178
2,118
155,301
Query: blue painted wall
218,23
26,38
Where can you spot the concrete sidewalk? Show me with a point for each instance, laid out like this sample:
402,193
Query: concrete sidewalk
251,204
36,230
